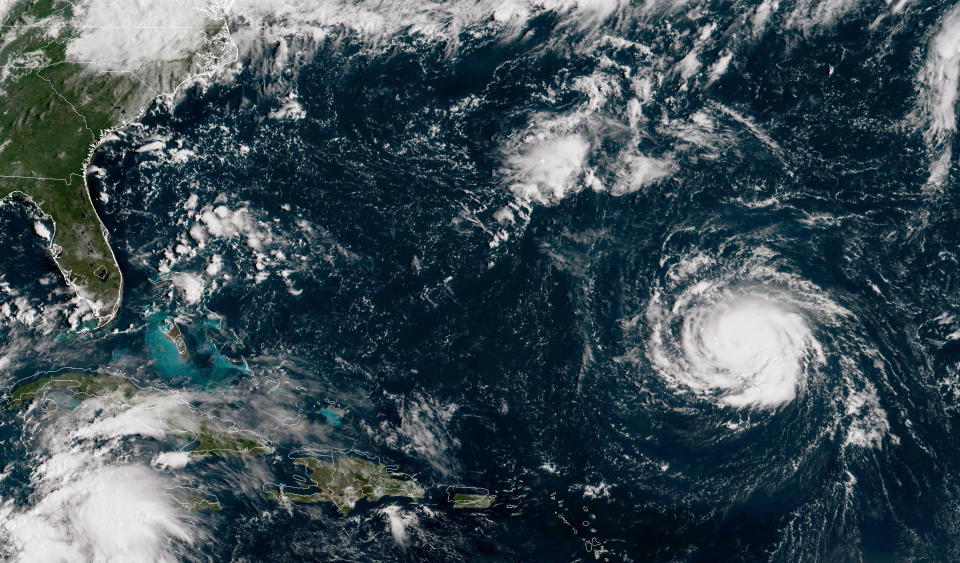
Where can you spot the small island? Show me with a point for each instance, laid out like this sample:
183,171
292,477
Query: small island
213,440
195,501
463,501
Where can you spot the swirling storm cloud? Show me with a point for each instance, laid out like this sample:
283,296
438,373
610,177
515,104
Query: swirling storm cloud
536,280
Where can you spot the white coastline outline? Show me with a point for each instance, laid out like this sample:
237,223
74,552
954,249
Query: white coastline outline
113,311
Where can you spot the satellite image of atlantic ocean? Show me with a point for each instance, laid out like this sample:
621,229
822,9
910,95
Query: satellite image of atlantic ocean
479,280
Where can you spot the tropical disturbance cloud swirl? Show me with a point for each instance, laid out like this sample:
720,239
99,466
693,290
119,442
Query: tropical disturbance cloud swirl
541,280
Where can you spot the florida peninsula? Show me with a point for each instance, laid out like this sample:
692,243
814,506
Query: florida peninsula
72,72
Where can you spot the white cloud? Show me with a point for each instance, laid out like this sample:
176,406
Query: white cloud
125,34
939,81
808,15
423,431
291,109
942,73
760,17
222,221
151,147
640,171
41,231
399,521
190,284
148,418
88,511
546,169
87,506
869,425
215,265
719,68
172,460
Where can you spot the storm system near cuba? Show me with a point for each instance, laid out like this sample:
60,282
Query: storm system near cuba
479,280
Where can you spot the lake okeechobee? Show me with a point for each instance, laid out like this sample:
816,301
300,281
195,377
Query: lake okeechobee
671,281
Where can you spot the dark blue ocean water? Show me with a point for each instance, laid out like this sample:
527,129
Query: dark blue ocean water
528,365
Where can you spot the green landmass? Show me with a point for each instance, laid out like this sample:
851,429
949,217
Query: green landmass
79,385
349,479
472,502
174,336
211,439
280,495
197,502
54,111
215,441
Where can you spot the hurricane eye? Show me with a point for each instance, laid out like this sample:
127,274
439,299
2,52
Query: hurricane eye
741,346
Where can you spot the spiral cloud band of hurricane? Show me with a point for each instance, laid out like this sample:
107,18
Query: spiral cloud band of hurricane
577,279
742,340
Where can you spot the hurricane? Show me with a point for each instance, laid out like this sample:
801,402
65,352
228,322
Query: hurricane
742,340
501,280
746,347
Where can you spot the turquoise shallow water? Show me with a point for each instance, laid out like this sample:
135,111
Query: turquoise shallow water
660,308
334,417
197,361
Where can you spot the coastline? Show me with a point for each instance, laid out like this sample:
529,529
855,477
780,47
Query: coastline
106,305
